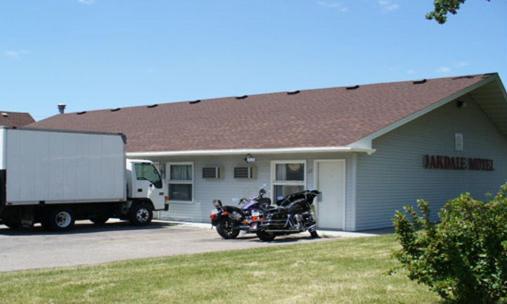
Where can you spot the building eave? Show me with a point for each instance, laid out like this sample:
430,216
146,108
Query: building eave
219,152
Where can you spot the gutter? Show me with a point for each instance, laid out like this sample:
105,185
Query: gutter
252,151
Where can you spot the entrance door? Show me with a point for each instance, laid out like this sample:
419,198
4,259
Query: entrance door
330,180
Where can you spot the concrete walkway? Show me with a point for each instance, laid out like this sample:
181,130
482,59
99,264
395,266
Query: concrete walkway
322,232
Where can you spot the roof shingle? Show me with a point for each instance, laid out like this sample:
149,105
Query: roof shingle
15,119
329,117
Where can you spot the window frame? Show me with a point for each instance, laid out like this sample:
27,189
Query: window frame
275,182
180,182
157,171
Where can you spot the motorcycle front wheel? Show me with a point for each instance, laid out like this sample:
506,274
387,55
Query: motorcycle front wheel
265,236
227,230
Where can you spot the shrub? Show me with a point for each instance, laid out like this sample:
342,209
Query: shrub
463,257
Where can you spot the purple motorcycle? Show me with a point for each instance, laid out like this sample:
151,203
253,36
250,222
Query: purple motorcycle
230,220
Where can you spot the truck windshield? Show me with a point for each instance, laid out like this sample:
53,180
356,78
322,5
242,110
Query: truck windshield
146,171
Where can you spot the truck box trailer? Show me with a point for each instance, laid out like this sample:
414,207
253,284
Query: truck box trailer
55,177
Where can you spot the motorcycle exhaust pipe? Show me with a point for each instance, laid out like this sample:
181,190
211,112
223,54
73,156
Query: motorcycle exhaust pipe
284,230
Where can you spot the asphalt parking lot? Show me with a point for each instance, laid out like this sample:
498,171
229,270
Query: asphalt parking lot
88,244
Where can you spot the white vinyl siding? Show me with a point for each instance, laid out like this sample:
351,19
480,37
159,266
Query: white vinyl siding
230,190
394,175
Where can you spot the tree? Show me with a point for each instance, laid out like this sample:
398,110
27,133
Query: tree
442,8
463,257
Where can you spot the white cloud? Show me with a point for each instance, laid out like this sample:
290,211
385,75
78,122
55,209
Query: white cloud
14,54
461,64
410,71
388,5
450,68
86,2
444,69
334,5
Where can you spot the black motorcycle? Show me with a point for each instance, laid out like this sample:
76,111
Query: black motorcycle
293,215
230,220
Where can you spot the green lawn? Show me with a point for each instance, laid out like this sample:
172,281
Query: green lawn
342,271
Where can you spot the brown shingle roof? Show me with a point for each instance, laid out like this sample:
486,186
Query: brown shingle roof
329,117
15,119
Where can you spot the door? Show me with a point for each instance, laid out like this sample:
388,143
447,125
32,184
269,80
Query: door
330,180
148,184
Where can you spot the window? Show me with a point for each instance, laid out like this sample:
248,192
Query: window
148,172
181,180
288,177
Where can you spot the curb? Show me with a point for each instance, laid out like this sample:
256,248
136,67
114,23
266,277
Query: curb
323,233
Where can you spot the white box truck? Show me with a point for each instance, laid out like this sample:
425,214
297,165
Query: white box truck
55,177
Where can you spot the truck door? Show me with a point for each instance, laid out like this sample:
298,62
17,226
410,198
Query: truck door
149,184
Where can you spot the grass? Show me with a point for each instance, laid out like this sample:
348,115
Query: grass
341,271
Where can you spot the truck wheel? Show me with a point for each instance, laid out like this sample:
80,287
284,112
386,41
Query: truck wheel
140,214
59,219
99,220
14,225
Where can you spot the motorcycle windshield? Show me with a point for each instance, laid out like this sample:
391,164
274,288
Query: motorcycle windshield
249,204
289,199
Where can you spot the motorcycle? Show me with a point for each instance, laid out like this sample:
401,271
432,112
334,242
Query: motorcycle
230,220
293,215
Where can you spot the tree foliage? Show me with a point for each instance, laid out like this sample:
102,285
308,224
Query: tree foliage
463,257
444,7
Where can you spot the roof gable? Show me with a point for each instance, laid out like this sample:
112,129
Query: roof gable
492,98
15,119
332,117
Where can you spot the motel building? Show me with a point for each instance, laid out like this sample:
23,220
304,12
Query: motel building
370,149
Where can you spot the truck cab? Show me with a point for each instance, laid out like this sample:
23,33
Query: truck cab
145,192
144,182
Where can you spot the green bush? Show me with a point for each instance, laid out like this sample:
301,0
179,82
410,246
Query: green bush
463,257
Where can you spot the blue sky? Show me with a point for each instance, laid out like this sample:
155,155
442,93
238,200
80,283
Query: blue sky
93,54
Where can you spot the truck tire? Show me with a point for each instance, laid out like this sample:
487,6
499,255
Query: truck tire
59,219
13,225
99,220
140,214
